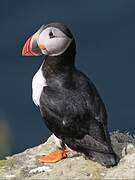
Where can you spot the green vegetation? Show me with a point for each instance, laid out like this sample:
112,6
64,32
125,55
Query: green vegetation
3,162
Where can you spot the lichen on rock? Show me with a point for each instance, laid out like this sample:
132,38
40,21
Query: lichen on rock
25,165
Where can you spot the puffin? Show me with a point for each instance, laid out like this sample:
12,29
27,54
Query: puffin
69,102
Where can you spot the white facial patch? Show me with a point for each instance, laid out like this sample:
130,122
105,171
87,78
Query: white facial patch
38,82
55,45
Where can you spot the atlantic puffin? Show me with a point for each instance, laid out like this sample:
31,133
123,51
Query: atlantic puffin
69,102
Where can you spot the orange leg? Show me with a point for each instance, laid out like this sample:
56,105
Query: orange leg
54,156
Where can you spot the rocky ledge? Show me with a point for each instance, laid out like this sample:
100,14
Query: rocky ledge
25,165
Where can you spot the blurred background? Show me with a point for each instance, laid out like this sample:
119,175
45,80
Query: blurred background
105,37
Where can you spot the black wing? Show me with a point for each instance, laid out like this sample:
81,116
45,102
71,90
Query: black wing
77,110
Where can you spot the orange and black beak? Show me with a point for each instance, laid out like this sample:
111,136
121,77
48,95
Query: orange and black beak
31,47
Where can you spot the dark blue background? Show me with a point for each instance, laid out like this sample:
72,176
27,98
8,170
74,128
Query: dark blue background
105,37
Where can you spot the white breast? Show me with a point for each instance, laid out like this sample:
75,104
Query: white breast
38,82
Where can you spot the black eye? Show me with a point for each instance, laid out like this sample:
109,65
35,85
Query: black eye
51,35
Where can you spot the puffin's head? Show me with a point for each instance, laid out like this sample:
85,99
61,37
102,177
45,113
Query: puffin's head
52,40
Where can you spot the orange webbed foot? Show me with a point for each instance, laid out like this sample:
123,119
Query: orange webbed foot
54,156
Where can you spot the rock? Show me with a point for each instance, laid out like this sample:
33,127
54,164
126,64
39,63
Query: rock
25,165
129,149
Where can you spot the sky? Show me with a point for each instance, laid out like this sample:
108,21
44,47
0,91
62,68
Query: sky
105,36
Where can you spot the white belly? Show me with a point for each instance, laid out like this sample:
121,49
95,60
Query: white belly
38,82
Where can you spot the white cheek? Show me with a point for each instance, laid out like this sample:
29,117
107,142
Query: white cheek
56,46
38,82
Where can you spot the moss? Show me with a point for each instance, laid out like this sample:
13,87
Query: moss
3,163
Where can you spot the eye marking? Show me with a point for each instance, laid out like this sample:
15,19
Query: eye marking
51,35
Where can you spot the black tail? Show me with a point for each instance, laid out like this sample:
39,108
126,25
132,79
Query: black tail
102,152
105,159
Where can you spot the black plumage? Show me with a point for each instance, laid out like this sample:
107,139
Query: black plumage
72,108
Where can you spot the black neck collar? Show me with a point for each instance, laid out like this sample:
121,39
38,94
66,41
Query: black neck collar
55,65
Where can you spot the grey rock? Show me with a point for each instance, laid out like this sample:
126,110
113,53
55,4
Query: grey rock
26,166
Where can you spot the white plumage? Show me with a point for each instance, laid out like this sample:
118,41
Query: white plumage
38,82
